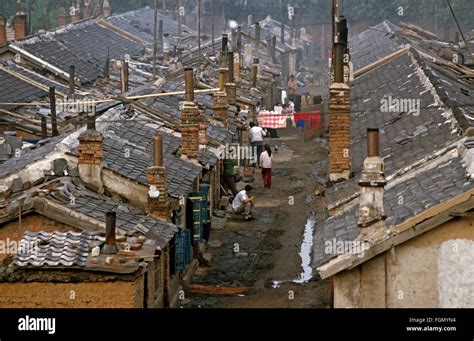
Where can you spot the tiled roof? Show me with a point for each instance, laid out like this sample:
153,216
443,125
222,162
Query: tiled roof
180,173
85,45
421,192
372,45
28,156
140,24
96,206
37,78
405,137
13,89
55,249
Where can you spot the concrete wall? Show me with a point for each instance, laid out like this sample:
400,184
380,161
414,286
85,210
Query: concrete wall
430,271
134,192
118,294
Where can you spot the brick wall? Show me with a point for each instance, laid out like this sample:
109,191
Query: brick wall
159,206
231,90
190,130
220,106
3,31
339,131
90,148
20,25
202,128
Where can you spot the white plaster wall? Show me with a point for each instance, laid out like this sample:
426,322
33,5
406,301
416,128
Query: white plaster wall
456,274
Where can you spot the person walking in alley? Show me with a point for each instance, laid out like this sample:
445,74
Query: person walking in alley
256,135
243,203
292,86
266,165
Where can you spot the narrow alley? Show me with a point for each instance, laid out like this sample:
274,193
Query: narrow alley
260,259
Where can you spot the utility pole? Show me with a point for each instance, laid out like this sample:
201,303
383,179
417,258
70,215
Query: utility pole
212,28
457,23
179,20
164,8
199,36
155,24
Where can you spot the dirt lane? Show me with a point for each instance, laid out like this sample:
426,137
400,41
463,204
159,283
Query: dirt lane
268,247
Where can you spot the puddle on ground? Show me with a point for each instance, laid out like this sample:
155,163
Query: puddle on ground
305,254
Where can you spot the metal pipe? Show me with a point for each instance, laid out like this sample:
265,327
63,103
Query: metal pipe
160,33
91,118
110,246
166,48
257,37
157,151
224,50
189,84
239,39
274,42
373,142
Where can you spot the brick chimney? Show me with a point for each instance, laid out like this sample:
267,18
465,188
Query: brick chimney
220,98
339,111
87,9
3,31
91,156
62,19
189,119
230,87
75,11
20,25
372,183
106,10
158,200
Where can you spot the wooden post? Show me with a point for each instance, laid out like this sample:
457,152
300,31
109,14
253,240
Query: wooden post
124,76
72,73
44,127
255,72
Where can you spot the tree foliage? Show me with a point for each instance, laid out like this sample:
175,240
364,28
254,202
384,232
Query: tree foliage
45,12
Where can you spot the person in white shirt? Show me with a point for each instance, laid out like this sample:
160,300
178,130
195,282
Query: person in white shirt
256,135
266,165
243,203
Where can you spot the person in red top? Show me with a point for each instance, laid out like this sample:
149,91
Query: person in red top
266,165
